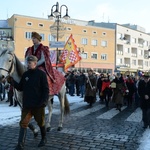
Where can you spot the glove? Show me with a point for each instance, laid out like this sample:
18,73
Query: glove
10,79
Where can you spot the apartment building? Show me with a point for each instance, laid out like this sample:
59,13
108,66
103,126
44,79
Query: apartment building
97,44
132,45
5,31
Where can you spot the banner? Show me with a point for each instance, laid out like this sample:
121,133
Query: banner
70,55
53,56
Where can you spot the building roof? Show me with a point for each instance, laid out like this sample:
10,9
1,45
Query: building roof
4,24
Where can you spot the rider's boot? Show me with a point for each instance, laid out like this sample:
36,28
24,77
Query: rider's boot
43,135
21,139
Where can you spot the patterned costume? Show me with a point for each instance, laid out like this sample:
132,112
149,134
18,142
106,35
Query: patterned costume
54,77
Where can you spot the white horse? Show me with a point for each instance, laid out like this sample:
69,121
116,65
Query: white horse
11,66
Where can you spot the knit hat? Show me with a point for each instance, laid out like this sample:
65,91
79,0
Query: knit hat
32,58
36,35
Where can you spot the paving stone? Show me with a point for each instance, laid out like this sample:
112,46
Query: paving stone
81,131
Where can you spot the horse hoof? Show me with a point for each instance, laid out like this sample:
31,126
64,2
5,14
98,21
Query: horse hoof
48,129
59,128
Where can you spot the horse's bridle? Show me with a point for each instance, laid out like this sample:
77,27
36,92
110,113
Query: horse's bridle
10,69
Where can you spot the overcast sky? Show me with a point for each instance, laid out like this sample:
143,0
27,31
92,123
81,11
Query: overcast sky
127,11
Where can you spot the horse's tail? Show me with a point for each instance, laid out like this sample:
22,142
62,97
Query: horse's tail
67,107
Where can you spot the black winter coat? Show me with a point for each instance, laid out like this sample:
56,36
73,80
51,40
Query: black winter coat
144,89
35,88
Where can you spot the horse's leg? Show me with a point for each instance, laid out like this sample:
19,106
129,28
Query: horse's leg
61,100
33,129
50,108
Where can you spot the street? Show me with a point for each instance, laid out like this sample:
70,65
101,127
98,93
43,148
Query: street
86,128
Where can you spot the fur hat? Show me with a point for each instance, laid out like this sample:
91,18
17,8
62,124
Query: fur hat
146,74
32,58
36,35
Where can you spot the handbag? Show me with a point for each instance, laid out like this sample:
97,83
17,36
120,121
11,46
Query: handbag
113,85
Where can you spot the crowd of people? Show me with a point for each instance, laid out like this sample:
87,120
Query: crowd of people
7,93
119,90
90,84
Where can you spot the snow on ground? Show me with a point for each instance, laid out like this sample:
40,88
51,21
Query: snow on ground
11,115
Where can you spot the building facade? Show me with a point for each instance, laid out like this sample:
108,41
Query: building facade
131,47
97,44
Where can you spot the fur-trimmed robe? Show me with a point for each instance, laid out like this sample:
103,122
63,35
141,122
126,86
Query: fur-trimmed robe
54,77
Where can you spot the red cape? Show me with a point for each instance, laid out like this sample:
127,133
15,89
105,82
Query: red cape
54,77
105,85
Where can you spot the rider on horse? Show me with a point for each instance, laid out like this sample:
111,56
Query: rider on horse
55,78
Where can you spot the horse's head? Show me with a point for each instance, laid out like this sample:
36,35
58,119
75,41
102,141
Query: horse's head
6,60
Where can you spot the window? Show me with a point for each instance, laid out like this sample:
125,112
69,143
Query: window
119,61
104,56
84,55
29,23
94,32
134,62
127,50
94,56
104,33
2,32
41,25
94,42
146,63
140,52
43,37
84,41
145,43
84,31
51,38
28,35
69,29
133,40
119,36
104,43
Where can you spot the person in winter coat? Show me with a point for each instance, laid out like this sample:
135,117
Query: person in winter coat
144,93
71,83
119,91
131,88
82,81
90,88
106,90
34,86
99,87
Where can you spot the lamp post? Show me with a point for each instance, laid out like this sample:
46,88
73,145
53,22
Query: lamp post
57,29
81,51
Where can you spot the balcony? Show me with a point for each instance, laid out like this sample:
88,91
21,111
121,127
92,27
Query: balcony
140,66
6,38
119,52
133,55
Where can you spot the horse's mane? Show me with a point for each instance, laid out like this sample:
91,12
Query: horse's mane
20,67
